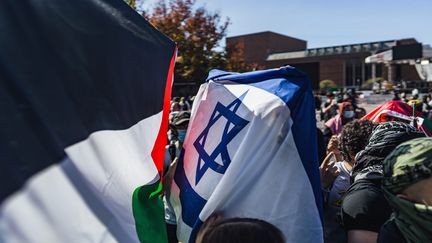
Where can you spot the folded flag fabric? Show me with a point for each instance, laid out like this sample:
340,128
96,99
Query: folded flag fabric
84,100
251,151
400,111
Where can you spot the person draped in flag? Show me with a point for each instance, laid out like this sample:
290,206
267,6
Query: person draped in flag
248,138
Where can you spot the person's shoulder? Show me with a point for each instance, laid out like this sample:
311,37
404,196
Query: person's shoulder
361,206
390,233
331,122
357,197
363,192
341,166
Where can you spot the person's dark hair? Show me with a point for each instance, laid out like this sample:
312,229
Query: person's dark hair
216,229
175,106
329,94
354,137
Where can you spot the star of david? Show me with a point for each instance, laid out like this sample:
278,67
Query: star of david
233,126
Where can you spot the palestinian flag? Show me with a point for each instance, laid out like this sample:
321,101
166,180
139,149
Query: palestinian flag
399,111
84,99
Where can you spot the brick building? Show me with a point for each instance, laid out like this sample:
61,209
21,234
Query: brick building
258,46
344,64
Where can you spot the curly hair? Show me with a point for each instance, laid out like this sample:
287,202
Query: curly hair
354,137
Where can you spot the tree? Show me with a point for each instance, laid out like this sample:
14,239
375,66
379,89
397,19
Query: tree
131,3
235,60
197,33
370,82
327,84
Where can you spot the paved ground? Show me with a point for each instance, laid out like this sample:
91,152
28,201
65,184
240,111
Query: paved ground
372,101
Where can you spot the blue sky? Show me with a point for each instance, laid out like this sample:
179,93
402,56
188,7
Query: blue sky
327,22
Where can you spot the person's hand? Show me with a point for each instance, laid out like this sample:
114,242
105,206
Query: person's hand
333,102
328,171
168,177
333,145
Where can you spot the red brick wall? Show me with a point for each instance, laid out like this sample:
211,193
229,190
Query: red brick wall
259,45
330,67
333,69
409,72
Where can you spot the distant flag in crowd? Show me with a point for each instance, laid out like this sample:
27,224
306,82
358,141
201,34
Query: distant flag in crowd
251,151
84,100
401,111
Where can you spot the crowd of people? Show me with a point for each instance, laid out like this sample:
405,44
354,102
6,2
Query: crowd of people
376,179
373,176
422,104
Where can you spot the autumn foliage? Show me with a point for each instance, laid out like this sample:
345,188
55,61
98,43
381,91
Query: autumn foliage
198,34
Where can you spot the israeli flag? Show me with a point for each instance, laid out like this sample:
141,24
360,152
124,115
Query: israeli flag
251,151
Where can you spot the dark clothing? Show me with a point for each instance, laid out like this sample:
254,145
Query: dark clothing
396,97
317,103
385,137
321,145
390,233
364,207
172,233
327,134
331,112
353,101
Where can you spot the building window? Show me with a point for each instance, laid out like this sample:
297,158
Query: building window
368,71
357,72
358,75
378,70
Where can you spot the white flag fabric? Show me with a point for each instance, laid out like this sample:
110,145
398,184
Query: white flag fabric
251,151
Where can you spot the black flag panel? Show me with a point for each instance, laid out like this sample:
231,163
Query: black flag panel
68,69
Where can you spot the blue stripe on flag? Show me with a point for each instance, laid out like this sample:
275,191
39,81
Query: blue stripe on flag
191,202
272,80
303,115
